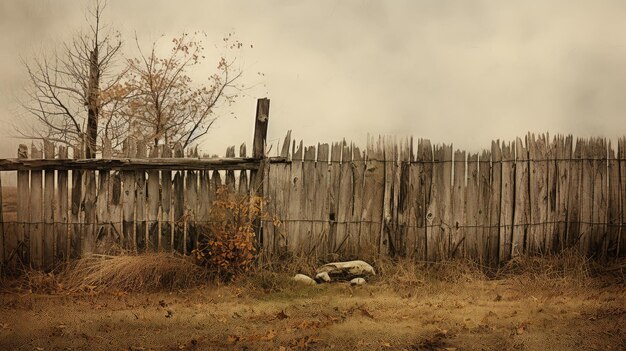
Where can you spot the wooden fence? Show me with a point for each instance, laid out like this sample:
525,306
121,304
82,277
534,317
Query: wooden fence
146,201
531,196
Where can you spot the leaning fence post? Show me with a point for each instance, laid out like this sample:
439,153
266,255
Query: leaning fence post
258,152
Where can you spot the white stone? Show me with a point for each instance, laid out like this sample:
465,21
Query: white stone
357,267
322,277
305,279
357,281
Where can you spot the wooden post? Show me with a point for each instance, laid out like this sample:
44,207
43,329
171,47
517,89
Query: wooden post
49,206
167,228
258,151
140,200
22,244
103,203
36,214
76,207
62,232
128,199
153,205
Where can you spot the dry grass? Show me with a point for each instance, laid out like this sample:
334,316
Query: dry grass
126,273
146,272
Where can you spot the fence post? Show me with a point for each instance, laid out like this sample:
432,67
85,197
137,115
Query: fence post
258,151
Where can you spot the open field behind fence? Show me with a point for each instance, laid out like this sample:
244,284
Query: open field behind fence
536,195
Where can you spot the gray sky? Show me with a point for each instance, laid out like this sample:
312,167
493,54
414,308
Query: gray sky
462,71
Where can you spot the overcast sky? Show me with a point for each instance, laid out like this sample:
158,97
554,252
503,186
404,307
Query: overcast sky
464,72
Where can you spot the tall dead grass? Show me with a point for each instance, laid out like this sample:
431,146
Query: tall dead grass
145,272
127,273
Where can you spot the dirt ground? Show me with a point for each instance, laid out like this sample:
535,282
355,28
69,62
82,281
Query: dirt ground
508,314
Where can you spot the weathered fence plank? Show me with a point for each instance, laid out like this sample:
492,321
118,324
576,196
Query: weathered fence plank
308,195
48,206
295,236
507,201
521,217
598,239
457,201
438,217
345,204
36,214
179,204
586,196
495,199
563,155
472,243
153,199
140,200
614,205
621,155
321,225
166,240
128,200
484,197
20,245
104,239
357,167
538,194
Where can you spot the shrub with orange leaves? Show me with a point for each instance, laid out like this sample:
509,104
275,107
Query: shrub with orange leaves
227,244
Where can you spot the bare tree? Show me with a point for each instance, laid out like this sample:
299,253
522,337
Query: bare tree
72,90
166,105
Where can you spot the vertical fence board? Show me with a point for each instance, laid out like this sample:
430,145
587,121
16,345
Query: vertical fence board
294,234
48,208
563,155
389,164
243,175
598,238
586,196
484,197
472,208
457,203
343,243
140,200
614,204
551,227
439,231
495,199
104,239
36,213
355,227
166,239
334,182
128,199
538,195
179,204
153,196
573,202
321,209
521,217
507,201
308,195
21,243
425,156
191,201
61,228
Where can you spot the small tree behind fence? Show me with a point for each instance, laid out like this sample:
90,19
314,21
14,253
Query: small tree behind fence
400,198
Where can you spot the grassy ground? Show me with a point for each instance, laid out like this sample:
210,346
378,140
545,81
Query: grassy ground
533,305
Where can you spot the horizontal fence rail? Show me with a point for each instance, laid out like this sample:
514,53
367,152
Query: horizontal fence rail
223,163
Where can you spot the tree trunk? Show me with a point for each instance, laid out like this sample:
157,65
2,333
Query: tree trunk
92,105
